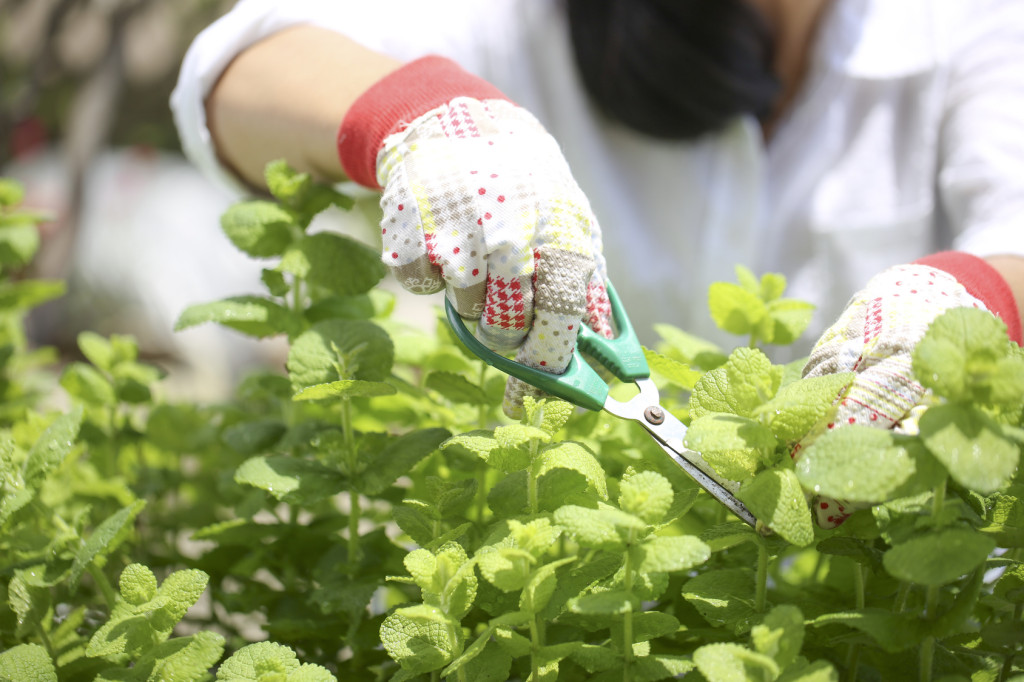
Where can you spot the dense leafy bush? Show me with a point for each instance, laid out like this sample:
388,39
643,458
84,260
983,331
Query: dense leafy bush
369,514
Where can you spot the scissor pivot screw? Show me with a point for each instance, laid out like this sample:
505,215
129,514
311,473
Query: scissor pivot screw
654,415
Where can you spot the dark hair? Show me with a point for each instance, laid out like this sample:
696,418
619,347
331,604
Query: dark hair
674,69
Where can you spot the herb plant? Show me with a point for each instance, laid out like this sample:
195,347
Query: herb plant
367,513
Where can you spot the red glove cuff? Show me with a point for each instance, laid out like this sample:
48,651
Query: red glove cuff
983,282
394,102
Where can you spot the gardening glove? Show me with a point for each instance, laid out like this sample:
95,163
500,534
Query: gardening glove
875,338
479,201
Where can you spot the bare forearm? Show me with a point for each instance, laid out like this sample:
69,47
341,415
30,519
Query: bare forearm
1012,270
285,97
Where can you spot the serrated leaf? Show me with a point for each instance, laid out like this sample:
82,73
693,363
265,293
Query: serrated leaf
725,598
893,632
27,662
574,457
359,349
647,495
53,446
300,192
600,528
182,658
801,405
776,499
735,309
608,603
456,388
660,667
420,638
670,554
291,479
938,557
728,534
541,585
251,315
100,540
507,568
861,463
675,372
548,414
780,635
739,386
85,383
692,349
479,443
818,671
414,524
728,662
398,457
29,601
337,263
253,436
514,435
261,229
971,446
786,320
255,661
594,658
735,447
345,389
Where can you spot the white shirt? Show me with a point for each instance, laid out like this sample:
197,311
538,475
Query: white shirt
907,138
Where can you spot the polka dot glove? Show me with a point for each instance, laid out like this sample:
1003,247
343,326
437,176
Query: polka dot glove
479,201
875,338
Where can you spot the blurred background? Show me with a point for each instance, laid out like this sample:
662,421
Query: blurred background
85,126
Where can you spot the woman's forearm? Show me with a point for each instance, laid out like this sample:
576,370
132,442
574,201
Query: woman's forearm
285,96
1012,270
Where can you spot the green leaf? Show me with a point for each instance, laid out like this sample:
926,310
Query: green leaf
786,320
102,539
725,598
727,662
660,667
964,357
345,389
647,495
98,350
18,244
182,658
251,315
414,523
608,603
289,479
675,372
735,447
548,414
336,350
253,436
670,554
29,600
275,282
12,192
739,386
420,638
507,568
648,625
573,457
541,586
735,309
601,528
800,406
85,383
300,192
479,443
337,263
398,457
261,229
27,662
456,388
29,293
801,671
776,499
971,446
893,632
270,661
864,464
780,635
691,349
53,446
595,658
179,428
938,557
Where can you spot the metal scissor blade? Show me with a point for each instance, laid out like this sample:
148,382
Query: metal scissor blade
669,433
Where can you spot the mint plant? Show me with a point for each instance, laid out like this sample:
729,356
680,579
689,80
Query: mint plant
366,512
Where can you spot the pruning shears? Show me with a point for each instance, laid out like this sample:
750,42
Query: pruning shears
581,385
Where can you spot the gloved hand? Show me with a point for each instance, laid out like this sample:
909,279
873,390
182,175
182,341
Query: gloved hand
479,201
875,338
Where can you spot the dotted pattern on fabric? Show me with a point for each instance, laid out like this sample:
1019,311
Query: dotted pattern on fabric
875,338
479,201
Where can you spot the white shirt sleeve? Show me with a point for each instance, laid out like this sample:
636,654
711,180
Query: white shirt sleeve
981,152
404,29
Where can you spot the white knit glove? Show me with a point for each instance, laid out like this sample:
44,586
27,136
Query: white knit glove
874,338
479,201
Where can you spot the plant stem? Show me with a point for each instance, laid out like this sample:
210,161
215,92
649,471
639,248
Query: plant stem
351,464
932,595
535,645
627,619
531,481
761,593
1007,669
106,588
853,654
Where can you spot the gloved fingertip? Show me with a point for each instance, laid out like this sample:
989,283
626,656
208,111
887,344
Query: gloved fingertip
515,391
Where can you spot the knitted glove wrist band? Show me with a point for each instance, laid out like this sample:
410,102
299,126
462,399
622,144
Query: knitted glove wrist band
983,282
396,101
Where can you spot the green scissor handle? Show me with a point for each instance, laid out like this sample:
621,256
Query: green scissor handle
579,384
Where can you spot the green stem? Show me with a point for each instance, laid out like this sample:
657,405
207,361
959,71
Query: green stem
351,464
932,595
45,638
481,494
109,595
902,593
858,585
627,619
531,481
761,594
1007,670
535,645
853,654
